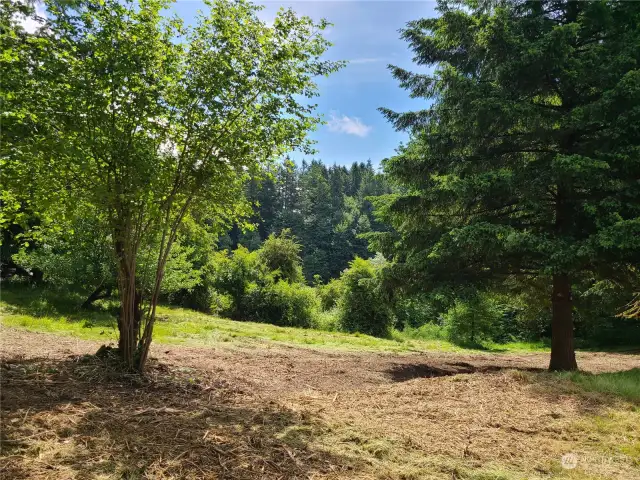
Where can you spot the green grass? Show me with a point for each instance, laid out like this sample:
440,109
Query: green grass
624,384
50,311
432,332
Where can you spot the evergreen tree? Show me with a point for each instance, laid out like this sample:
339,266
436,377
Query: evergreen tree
317,215
288,198
527,161
265,197
327,208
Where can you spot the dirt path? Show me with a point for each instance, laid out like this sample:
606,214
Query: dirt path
272,369
270,411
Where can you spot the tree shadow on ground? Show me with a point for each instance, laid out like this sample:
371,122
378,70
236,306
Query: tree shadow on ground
72,419
409,371
38,302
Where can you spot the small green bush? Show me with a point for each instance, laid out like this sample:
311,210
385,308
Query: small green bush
428,331
330,293
473,321
362,307
280,303
281,256
232,274
220,303
328,320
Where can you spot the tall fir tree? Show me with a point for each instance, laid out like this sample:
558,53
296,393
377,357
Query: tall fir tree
317,214
288,198
527,160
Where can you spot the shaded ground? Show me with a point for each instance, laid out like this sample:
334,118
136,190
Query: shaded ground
278,412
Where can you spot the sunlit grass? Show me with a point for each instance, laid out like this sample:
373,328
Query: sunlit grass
517,346
48,311
61,325
624,384
432,332
179,326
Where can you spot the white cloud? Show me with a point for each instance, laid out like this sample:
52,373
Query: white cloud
349,125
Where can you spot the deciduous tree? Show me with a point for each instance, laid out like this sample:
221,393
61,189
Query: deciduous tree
154,121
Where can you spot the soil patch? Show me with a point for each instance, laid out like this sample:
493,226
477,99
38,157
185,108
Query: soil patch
271,411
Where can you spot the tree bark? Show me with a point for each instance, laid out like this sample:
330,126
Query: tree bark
563,357
128,333
147,335
169,234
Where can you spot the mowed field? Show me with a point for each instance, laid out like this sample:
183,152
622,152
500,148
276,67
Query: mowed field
258,408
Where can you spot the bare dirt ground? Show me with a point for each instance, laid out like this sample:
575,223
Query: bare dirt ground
278,412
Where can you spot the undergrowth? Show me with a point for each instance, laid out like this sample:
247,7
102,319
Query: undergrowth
55,312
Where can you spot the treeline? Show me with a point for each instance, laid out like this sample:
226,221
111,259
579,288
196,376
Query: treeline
265,273
326,208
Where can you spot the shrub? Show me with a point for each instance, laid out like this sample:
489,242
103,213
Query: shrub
204,299
362,306
77,257
263,285
428,331
220,303
328,320
198,298
330,293
474,320
280,303
414,311
281,256
232,274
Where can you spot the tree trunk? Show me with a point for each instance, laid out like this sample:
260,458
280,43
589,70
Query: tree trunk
563,357
145,341
129,299
128,340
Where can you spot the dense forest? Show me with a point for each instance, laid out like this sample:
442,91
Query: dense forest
148,170
327,209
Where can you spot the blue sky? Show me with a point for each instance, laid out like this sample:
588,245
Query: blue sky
365,33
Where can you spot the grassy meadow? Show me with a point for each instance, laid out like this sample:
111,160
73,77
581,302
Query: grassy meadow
58,312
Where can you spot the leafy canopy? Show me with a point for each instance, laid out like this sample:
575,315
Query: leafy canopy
117,105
